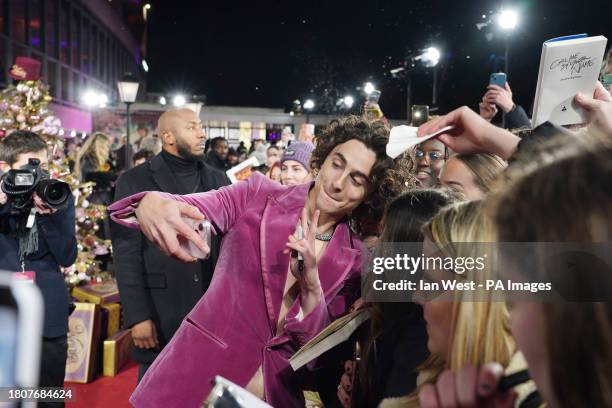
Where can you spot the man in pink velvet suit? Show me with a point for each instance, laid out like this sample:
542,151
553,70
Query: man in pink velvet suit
261,307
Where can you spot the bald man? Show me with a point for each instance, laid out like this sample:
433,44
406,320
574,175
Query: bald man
158,291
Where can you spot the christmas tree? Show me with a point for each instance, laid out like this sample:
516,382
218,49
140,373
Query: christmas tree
25,106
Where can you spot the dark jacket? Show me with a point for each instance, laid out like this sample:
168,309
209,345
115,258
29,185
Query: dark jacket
105,181
217,162
397,354
393,361
120,158
151,284
517,118
57,247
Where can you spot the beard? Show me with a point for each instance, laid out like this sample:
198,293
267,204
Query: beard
184,151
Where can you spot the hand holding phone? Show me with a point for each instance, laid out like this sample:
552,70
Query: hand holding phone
204,230
498,79
499,93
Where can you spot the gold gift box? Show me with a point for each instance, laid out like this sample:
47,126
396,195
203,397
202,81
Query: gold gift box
114,318
98,293
116,352
83,343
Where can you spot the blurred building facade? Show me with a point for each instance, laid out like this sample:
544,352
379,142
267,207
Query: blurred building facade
81,44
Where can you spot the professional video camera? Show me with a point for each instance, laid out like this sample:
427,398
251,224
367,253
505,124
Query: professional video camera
20,184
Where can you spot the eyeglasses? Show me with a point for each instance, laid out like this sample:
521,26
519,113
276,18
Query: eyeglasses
433,156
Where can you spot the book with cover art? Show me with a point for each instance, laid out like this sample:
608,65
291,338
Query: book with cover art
568,65
337,332
242,171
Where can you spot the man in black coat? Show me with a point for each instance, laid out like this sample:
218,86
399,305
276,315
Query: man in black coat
217,156
157,291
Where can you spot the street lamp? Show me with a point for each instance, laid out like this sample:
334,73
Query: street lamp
93,99
348,101
179,100
308,105
369,88
145,11
430,57
128,89
507,21
90,99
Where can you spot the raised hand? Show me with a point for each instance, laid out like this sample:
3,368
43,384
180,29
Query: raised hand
598,108
161,222
308,278
499,96
487,111
471,134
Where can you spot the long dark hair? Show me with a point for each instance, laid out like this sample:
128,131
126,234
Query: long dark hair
403,220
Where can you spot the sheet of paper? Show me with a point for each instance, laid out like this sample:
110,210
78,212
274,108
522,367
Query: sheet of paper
404,137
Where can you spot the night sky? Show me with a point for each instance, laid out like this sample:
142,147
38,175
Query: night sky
268,53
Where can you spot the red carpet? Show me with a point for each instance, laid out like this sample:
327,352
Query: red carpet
105,392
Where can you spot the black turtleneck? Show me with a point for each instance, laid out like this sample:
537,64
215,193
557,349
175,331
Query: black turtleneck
186,171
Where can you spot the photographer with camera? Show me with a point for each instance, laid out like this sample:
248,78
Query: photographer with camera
37,233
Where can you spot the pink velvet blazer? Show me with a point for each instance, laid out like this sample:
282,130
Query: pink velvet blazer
232,329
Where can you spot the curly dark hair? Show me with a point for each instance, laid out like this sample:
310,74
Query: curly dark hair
388,178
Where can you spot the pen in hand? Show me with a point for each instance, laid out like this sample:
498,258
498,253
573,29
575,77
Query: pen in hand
300,235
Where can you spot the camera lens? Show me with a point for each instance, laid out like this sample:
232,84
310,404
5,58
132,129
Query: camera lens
53,192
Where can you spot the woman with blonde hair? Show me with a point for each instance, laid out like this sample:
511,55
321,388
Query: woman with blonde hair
463,327
560,196
93,164
473,175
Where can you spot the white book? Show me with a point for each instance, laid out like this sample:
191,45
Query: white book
568,65
337,332
243,170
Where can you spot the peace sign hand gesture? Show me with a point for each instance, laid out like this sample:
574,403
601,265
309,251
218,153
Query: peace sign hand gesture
308,278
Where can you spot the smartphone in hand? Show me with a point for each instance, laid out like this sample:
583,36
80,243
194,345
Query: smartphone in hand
204,230
498,78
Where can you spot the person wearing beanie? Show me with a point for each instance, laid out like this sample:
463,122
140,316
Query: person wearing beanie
295,164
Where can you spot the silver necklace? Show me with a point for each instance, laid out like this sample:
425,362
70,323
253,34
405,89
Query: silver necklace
324,237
